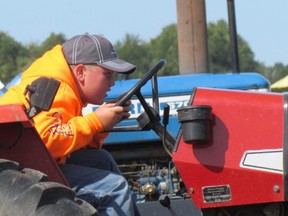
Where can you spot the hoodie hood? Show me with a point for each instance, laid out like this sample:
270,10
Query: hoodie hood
54,65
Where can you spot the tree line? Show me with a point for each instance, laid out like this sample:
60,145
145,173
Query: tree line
16,57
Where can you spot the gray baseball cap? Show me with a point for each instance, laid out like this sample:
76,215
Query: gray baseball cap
94,49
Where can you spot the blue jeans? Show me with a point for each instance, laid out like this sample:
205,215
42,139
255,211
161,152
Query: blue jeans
95,177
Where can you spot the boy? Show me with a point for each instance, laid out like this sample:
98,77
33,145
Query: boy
84,65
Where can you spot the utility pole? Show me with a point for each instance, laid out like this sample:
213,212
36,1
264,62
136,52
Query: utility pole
192,36
233,36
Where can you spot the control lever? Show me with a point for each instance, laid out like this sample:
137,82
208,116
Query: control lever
165,123
164,200
166,115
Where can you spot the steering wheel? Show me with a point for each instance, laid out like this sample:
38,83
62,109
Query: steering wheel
135,90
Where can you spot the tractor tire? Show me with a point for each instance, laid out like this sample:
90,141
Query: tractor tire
27,192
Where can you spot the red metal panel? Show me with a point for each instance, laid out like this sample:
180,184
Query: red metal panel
243,122
20,142
14,113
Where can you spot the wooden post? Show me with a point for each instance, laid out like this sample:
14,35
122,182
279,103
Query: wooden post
192,36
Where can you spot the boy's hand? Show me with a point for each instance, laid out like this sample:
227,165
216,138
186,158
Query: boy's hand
110,115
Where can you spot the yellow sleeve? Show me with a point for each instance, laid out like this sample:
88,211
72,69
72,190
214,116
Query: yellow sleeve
62,138
98,140
63,128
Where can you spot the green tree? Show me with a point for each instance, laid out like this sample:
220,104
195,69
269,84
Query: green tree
15,57
165,47
274,73
134,50
12,57
247,60
220,52
51,41
146,55
35,50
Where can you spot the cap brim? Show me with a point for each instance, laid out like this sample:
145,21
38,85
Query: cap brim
118,66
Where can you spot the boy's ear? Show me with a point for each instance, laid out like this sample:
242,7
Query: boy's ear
80,72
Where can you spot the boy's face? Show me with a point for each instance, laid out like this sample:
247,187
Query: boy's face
95,83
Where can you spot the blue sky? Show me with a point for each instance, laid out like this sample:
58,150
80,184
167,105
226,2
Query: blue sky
262,23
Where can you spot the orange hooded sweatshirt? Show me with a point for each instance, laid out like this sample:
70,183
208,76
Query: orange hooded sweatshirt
63,129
